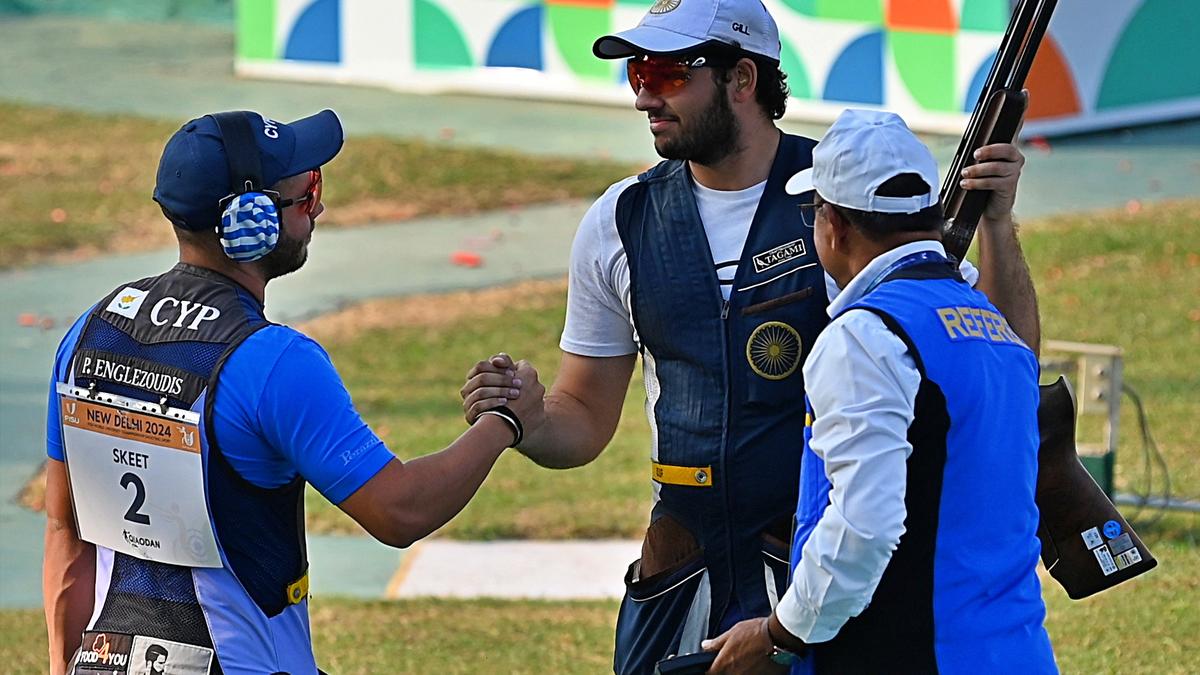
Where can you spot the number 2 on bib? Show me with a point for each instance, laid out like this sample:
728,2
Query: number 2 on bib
134,515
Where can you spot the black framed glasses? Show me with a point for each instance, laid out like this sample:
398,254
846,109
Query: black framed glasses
309,200
808,213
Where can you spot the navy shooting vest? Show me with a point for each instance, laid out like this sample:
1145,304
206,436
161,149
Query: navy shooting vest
164,340
723,378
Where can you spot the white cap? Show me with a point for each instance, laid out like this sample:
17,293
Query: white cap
673,26
862,150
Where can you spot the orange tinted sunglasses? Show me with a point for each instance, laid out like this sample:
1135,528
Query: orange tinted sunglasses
662,75
311,197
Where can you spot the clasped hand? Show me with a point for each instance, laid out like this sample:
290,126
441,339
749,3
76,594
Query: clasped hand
498,381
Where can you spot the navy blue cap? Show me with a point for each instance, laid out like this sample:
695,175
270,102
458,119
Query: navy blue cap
193,174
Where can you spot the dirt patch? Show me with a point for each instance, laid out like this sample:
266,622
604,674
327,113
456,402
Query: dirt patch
434,310
33,495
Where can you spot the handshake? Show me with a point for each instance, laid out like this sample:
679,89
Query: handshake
498,382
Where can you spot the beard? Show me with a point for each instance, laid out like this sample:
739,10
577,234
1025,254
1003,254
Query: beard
289,255
711,137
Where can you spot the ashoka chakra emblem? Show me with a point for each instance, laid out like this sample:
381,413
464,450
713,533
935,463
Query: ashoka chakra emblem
664,6
773,350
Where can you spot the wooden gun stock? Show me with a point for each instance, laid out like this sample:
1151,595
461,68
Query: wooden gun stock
1081,547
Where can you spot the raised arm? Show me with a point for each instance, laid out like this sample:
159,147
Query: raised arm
1003,273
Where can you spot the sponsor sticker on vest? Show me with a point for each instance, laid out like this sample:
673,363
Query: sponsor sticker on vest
137,478
103,652
779,255
155,656
127,302
1091,538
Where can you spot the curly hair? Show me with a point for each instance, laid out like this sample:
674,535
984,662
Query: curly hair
771,91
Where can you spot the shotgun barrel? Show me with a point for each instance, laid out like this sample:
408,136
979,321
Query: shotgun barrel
996,118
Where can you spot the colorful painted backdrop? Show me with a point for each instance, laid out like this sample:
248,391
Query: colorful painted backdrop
1105,62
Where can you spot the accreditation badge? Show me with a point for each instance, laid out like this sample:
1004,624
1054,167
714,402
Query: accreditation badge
137,478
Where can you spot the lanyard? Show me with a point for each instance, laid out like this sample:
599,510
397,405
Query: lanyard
918,258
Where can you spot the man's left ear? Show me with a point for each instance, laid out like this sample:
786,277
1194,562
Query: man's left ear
839,227
745,74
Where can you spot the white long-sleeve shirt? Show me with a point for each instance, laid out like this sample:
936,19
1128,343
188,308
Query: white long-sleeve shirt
863,387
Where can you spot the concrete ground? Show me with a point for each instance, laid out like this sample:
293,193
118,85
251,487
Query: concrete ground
178,71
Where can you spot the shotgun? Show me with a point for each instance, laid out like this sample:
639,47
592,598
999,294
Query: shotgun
1087,546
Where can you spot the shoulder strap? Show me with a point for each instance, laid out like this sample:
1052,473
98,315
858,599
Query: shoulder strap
241,151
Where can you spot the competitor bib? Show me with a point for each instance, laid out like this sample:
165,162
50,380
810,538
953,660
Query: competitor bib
137,478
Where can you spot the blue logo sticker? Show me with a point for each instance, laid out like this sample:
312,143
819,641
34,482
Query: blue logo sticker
1112,529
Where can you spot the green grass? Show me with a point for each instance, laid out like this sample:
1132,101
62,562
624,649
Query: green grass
422,637
1133,282
1146,627
81,183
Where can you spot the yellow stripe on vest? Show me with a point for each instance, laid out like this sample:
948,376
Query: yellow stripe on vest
695,476
297,591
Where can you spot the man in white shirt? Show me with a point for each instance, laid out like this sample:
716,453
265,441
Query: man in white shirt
916,545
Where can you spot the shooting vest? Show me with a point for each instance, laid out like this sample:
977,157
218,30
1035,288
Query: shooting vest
723,381
190,556
960,593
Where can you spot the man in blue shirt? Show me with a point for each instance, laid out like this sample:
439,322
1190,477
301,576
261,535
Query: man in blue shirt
183,426
915,547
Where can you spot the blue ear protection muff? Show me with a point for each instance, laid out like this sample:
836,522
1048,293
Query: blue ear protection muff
250,219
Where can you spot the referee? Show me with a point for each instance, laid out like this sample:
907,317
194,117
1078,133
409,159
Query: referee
915,547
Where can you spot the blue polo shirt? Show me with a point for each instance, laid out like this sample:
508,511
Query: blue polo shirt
281,409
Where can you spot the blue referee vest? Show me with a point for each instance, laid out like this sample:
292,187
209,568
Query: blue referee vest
723,378
960,593
253,611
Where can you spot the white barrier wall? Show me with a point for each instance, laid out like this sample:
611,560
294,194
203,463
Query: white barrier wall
1105,62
